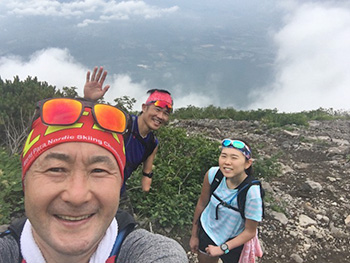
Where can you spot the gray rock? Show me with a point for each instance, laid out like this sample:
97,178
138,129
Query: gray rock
267,187
280,217
347,221
312,186
296,258
304,221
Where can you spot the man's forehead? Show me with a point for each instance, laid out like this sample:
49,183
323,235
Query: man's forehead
71,150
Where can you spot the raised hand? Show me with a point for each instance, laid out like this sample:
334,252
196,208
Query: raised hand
93,87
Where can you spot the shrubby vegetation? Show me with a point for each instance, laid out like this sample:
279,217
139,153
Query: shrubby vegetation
270,117
11,194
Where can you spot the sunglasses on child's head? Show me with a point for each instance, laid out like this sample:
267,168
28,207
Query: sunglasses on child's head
66,111
161,104
239,145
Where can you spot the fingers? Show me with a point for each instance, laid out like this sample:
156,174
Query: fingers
207,250
94,74
106,88
88,76
103,76
98,75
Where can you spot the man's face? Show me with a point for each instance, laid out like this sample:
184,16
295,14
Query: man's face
71,196
154,116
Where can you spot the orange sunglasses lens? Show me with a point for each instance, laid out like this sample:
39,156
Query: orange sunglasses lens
110,118
61,111
162,104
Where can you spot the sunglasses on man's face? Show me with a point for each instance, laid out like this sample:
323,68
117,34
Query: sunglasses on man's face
65,111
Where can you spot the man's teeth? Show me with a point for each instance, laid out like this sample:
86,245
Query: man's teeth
74,218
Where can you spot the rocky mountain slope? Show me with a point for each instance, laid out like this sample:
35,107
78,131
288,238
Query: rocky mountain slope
307,217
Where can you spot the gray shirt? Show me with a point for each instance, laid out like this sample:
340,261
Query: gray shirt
139,246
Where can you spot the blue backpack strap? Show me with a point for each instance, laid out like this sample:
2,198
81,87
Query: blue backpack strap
126,224
122,234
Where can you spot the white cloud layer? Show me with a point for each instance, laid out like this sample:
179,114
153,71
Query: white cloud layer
58,68
313,61
87,11
55,66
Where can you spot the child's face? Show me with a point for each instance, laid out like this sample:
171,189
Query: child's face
232,162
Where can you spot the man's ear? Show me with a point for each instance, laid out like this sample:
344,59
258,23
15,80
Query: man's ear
144,107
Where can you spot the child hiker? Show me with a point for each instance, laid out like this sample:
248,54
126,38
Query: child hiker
229,209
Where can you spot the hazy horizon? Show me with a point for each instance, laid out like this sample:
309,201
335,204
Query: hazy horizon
292,56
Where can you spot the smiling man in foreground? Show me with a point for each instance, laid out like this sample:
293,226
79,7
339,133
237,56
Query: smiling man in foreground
72,173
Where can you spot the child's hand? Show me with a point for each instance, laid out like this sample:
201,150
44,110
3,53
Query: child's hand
214,251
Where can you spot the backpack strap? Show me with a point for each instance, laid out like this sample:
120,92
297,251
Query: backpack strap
129,129
214,185
15,230
241,194
216,181
126,224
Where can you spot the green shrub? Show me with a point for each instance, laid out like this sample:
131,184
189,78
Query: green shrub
11,194
179,170
266,167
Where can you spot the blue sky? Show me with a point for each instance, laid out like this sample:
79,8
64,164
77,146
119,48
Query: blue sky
289,55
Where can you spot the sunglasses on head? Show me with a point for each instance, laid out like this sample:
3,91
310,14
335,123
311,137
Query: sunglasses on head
65,111
161,104
239,145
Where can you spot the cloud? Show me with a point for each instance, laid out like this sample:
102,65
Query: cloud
313,60
55,66
193,99
59,68
88,11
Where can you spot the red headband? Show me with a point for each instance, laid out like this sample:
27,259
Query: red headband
43,137
163,96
